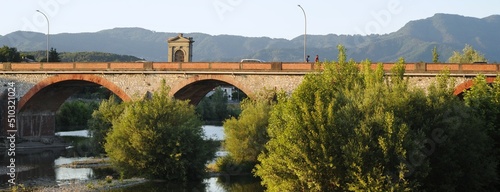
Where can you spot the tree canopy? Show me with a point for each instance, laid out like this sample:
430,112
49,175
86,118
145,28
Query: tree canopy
159,138
351,128
9,54
246,135
468,55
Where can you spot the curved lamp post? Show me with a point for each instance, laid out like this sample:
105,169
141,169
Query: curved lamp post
305,32
48,29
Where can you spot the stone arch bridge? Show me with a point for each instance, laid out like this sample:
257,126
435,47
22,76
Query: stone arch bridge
41,88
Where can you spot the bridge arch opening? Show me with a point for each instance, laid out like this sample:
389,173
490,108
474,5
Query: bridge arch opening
195,89
37,108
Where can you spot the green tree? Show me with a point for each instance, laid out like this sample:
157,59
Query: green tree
54,55
468,55
340,137
160,138
371,132
74,115
8,54
238,95
215,107
484,100
455,145
102,120
435,55
245,136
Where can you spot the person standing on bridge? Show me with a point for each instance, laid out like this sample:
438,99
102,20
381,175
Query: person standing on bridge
317,59
307,59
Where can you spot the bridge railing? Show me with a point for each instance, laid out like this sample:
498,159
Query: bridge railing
233,66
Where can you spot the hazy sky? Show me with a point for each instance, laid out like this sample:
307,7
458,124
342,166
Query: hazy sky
255,18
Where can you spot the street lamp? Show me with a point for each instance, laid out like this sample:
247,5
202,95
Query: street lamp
305,32
48,29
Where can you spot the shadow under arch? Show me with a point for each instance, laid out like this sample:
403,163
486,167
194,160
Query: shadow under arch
65,85
460,89
196,87
37,108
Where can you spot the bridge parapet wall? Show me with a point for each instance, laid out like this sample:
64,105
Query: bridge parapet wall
235,66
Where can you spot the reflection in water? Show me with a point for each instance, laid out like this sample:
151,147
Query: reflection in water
42,166
31,165
64,173
239,184
214,184
214,132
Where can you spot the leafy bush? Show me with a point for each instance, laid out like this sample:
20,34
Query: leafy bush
215,108
245,136
102,121
73,115
159,138
351,128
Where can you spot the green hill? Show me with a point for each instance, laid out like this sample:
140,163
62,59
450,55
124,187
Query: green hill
414,42
85,56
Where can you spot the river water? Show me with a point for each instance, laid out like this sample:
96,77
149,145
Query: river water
43,166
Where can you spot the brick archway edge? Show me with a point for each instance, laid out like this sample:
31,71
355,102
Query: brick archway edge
468,84
222,78
67,77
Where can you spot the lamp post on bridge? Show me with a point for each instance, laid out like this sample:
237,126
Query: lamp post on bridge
48,30
305,32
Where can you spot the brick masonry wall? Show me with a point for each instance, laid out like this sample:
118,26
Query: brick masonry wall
137,85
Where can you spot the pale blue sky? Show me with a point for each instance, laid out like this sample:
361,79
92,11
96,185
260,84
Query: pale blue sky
254,18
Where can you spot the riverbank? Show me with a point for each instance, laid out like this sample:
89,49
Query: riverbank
93,185
106,184
76,185
88,163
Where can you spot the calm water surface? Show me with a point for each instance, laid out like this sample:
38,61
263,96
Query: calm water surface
43,165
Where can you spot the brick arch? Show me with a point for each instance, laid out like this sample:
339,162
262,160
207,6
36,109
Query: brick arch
468,84
208,80
72,77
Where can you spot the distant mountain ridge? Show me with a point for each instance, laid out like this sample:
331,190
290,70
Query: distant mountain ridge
414,42
85,56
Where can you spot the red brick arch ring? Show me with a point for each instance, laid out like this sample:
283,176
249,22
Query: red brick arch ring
223,78
67,77
468,84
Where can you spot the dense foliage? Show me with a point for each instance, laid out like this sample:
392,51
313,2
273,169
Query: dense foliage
9,54
159,138
84,56
215,108
73,115
351,128
484,100
97,57
245,136
456,147
54,55
468,55
102,120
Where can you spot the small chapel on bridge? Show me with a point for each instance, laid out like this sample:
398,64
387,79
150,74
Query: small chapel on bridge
180,49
